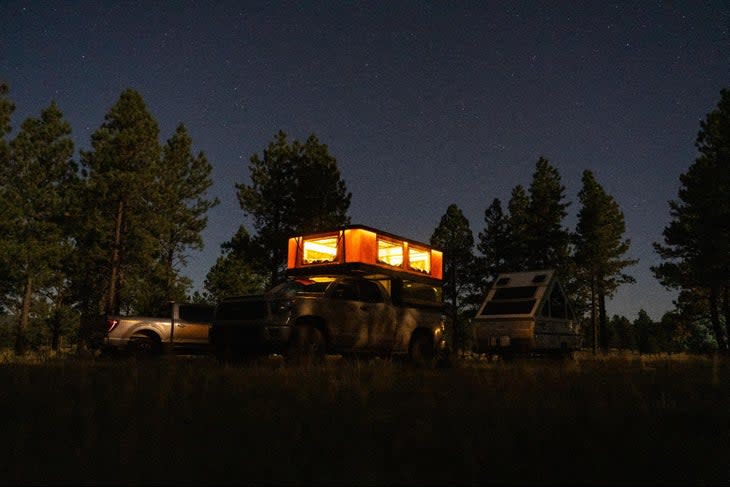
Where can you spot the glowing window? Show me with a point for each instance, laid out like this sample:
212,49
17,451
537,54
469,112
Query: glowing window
419,259
390,252
319,250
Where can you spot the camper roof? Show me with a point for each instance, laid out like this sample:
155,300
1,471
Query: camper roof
517,294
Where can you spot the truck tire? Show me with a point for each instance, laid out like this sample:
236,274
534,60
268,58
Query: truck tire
420,350
144,347
307,345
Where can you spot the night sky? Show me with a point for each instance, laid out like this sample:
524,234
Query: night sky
423,104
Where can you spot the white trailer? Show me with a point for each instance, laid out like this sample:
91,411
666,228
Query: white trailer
526,312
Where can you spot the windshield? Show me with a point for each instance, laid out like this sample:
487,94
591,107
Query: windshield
297,286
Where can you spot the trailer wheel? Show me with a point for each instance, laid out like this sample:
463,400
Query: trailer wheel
307,345
144,347
420,350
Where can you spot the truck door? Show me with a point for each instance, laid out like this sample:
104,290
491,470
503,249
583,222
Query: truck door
192,326
345,317
379,315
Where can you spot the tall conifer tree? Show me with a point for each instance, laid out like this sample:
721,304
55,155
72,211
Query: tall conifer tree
6,111
35,177
180,203
548,240
494,244
518,222
599,251
455,238
696,247
122,168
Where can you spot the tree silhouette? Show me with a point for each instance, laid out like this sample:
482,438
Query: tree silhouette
696,247
295,188
599,251
33,239
454,237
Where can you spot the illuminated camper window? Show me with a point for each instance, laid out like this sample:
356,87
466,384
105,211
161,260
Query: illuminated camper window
390,252
419,259
319,250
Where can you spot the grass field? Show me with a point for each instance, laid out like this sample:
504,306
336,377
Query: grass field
621,419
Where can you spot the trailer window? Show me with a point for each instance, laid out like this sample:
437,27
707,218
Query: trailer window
390,252
319,250
419,259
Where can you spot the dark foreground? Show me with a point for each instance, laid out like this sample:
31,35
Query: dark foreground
618,420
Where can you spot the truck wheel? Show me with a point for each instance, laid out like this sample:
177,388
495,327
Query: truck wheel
144,347
308,345
421,351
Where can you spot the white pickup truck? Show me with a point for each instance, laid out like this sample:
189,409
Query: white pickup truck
184,328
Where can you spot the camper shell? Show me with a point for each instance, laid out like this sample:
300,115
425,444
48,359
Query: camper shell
526,312
409,270
359,249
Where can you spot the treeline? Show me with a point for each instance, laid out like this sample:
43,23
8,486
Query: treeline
110,233
105,234
590,260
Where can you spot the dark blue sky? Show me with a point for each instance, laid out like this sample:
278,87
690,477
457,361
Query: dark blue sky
423,104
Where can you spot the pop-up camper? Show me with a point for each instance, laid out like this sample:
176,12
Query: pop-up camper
526,312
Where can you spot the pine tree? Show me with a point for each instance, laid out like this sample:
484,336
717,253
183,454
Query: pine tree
33,240
6,111
320,193
182,180
518,223
233,274
599,251
696,248
494,242
295,188
645,333
454,237
121,186
547,242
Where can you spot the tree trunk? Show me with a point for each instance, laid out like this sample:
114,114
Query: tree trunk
715,318
112,304
170,273
602,319
454,310
594,321
20,340
726,310
56,322
55,335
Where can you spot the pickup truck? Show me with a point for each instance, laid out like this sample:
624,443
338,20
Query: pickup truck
184,328
308,317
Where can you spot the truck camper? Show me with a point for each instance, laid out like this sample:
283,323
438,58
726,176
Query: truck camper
350,290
